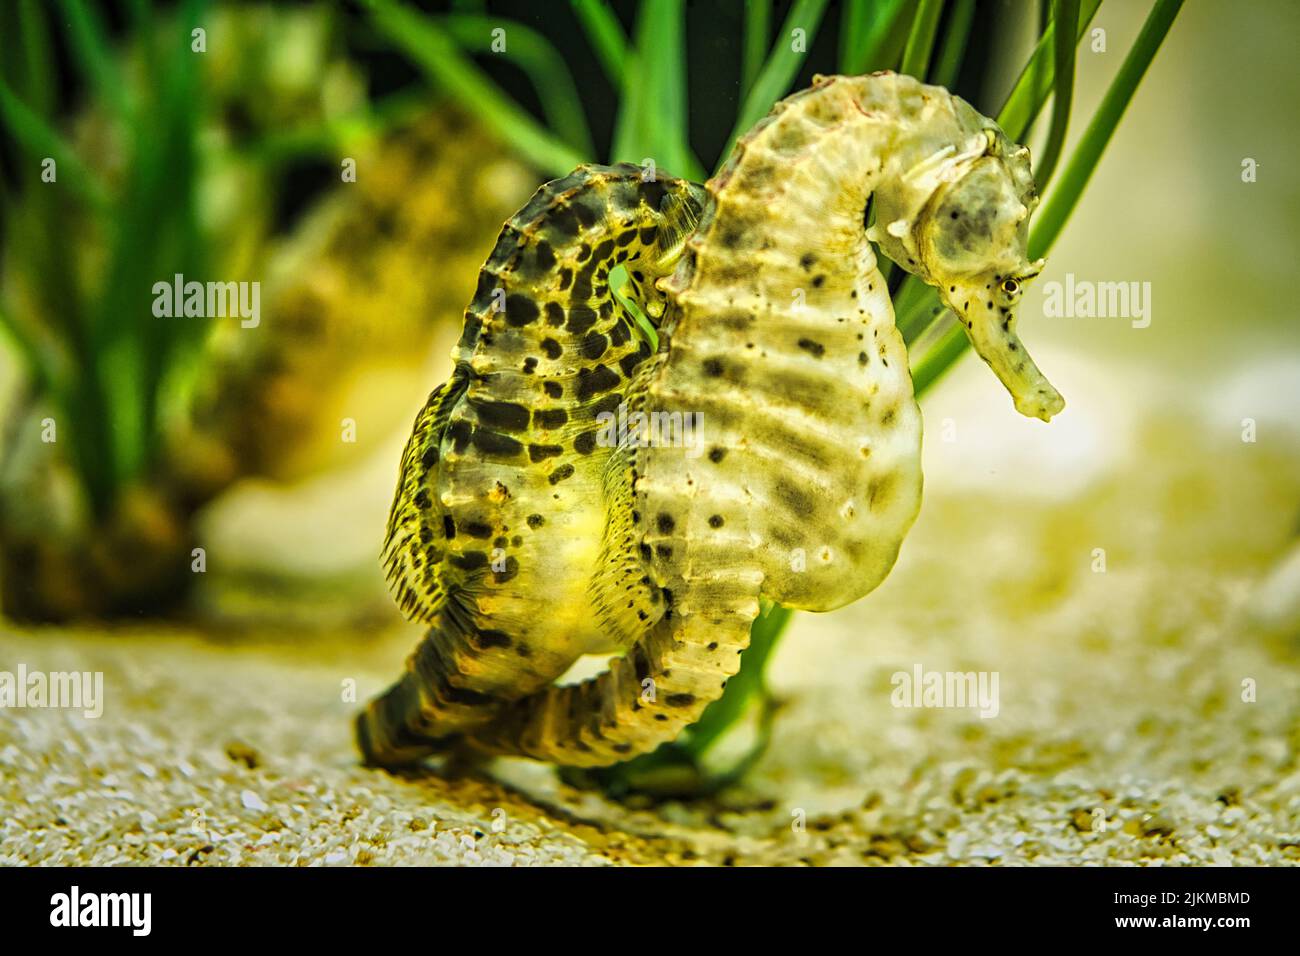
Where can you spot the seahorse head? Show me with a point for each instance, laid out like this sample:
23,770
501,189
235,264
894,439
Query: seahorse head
973,242
959,219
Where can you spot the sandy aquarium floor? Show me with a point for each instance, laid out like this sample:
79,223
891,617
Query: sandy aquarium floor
1121,736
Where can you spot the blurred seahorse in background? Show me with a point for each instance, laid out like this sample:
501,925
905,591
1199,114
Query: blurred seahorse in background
525,541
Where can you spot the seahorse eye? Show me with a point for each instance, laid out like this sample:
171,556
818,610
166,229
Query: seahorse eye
1010,286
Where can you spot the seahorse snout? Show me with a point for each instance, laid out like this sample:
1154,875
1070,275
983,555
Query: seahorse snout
986,308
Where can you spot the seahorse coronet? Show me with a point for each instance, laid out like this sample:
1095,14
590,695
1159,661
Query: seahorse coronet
791,469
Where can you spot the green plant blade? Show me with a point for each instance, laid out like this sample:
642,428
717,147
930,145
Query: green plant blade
1066,20
780,69
758,26
435,52
606,37
40,139
953,51
874,32
544,66
1037,78
93,55
920,42
652,124
1083,161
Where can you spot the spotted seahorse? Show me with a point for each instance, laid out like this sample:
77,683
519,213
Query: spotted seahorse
778,330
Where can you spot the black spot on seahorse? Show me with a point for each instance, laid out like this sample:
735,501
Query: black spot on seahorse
598,379
563,222
648,235
535,521
594,345
448,527
713,367
812,347
542,452
587,210
550,418
581,319
553,389
544,256
486,639
551,348
477,529
495,445
566,276
520,310
680,700
609,403
470,560
488,283
554,315
509,572
653,192
585,443
506,415
560,473
459,431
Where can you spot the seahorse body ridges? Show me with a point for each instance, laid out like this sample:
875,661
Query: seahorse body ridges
779,330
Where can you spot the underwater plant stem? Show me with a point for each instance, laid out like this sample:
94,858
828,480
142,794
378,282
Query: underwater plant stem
652,122
1067,20
920,42
780,69
758,24
1038,77
435,52
606,36
1087,154
876,33
39,138
543,65
953,50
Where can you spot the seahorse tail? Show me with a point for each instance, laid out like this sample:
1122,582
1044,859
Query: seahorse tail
425,711
649,695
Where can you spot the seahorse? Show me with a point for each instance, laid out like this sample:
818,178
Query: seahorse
495,529
778,329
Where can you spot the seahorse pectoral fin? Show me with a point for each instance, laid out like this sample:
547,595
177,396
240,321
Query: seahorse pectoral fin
990,326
